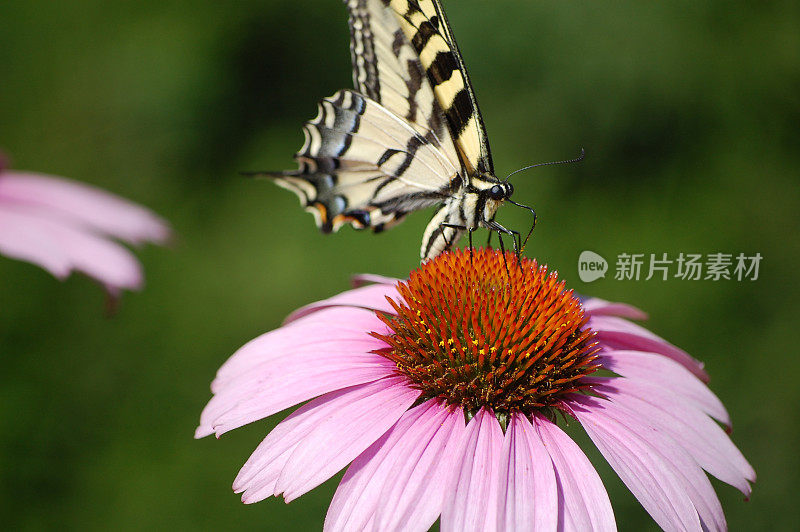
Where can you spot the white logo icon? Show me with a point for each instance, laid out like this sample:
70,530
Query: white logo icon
591,266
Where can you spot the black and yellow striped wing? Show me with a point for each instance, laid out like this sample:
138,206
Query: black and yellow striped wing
425,26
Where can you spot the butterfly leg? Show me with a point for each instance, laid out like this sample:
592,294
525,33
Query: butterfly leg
503,252
469,233
516,239
532,225
457,227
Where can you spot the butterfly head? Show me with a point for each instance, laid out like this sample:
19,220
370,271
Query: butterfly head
501,191
492,193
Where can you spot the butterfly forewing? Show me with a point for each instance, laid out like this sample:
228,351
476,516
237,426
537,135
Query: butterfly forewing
426,28
387,69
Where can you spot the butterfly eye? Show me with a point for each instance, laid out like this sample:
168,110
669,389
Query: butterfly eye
497,192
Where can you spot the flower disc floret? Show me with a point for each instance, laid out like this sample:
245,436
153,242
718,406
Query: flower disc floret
478,328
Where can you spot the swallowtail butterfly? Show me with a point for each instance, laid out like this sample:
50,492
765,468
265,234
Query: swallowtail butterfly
410,137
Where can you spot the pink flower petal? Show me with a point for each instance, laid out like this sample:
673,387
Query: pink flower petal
60,248
25,238
473,490
658,370
272,455
264,483
594,306
83,206
104,260
344,317
669,484
617,333
371,297
414,499
292,380
266,364
528,494
319,353
400,481
345,434
358,496
697,433
345,328
583,501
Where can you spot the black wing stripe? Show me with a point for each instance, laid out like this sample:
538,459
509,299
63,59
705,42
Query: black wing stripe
442,67
331,135
460,112
333,153
398,42
386,155
424,33
414,84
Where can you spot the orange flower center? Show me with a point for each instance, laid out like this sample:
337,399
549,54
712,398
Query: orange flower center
478,329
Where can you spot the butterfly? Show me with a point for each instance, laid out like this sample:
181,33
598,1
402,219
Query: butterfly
409,137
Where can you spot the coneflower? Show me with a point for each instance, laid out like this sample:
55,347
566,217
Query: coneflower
444,394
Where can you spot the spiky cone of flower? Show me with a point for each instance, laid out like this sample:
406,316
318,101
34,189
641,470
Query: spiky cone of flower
444,394
64,226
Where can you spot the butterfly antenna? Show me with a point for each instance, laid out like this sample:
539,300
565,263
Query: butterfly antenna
577,159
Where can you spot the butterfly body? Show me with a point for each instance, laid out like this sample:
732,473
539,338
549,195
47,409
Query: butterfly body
409,137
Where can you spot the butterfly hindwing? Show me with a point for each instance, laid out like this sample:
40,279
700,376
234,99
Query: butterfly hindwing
364,165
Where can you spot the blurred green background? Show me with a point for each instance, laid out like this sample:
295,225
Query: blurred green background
690,116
